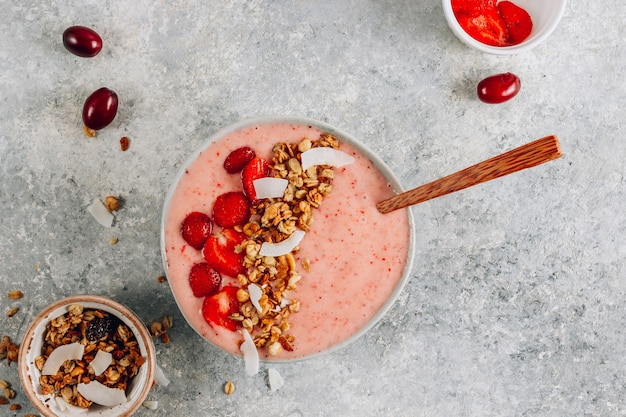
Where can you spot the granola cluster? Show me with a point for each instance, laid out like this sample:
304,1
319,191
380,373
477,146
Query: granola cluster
96,330
274,220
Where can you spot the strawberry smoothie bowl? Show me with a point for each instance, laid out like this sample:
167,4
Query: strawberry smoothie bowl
272,243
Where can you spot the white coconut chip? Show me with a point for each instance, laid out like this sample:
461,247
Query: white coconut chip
101,394
101,362
275,380
250,354
72,409
151,405
255,295
61,354
284,247
325,156
159,377
102,214
268,187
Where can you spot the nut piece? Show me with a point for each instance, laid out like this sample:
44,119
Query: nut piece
229,388
15,407
90,133
12,311
112,203
16,295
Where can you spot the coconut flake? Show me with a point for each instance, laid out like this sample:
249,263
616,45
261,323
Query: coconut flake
276,381
250,354
101,394
325,156
61,354
101,362
159,377
102,214
151,405
72,409
255,295
268,187
284,247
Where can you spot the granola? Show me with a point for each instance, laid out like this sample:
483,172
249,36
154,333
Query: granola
274,220
96,330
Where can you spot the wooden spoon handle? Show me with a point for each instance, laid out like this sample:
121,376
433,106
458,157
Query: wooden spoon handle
526,156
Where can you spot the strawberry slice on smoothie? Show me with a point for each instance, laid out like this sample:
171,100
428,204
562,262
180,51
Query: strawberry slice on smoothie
218,308
220,252
255,169
196,229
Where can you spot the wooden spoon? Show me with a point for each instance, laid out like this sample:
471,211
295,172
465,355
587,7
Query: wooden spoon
526,156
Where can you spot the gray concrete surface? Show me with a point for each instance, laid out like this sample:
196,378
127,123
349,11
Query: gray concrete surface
516,305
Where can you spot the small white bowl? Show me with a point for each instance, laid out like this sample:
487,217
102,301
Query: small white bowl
32,343
545,15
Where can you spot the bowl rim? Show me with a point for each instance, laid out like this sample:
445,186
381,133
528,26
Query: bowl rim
527,45
376,160
27,368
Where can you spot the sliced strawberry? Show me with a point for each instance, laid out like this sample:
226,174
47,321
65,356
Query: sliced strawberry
488,28
257,168
196,229
217,308
219,252
204,280
231,209
517,21
238,159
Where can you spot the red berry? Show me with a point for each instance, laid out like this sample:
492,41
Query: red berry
218,308
100,108
238,159
231,209
220,252
82,41
257,168
517,20
498,88
196,229
204,280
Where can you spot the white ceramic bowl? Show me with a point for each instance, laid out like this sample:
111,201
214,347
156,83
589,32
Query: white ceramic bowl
173,246
545,15
33,341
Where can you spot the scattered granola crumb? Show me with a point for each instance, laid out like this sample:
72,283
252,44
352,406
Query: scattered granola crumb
8,350
12,311
113,241
229,388
161,279
3,401
112,203
16,294
160,328
124,143
15,407
90,133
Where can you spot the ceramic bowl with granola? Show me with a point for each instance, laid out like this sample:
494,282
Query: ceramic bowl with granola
87,355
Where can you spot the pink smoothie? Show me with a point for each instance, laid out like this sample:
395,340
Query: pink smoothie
357,255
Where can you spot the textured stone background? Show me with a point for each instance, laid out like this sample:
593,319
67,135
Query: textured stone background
517,298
